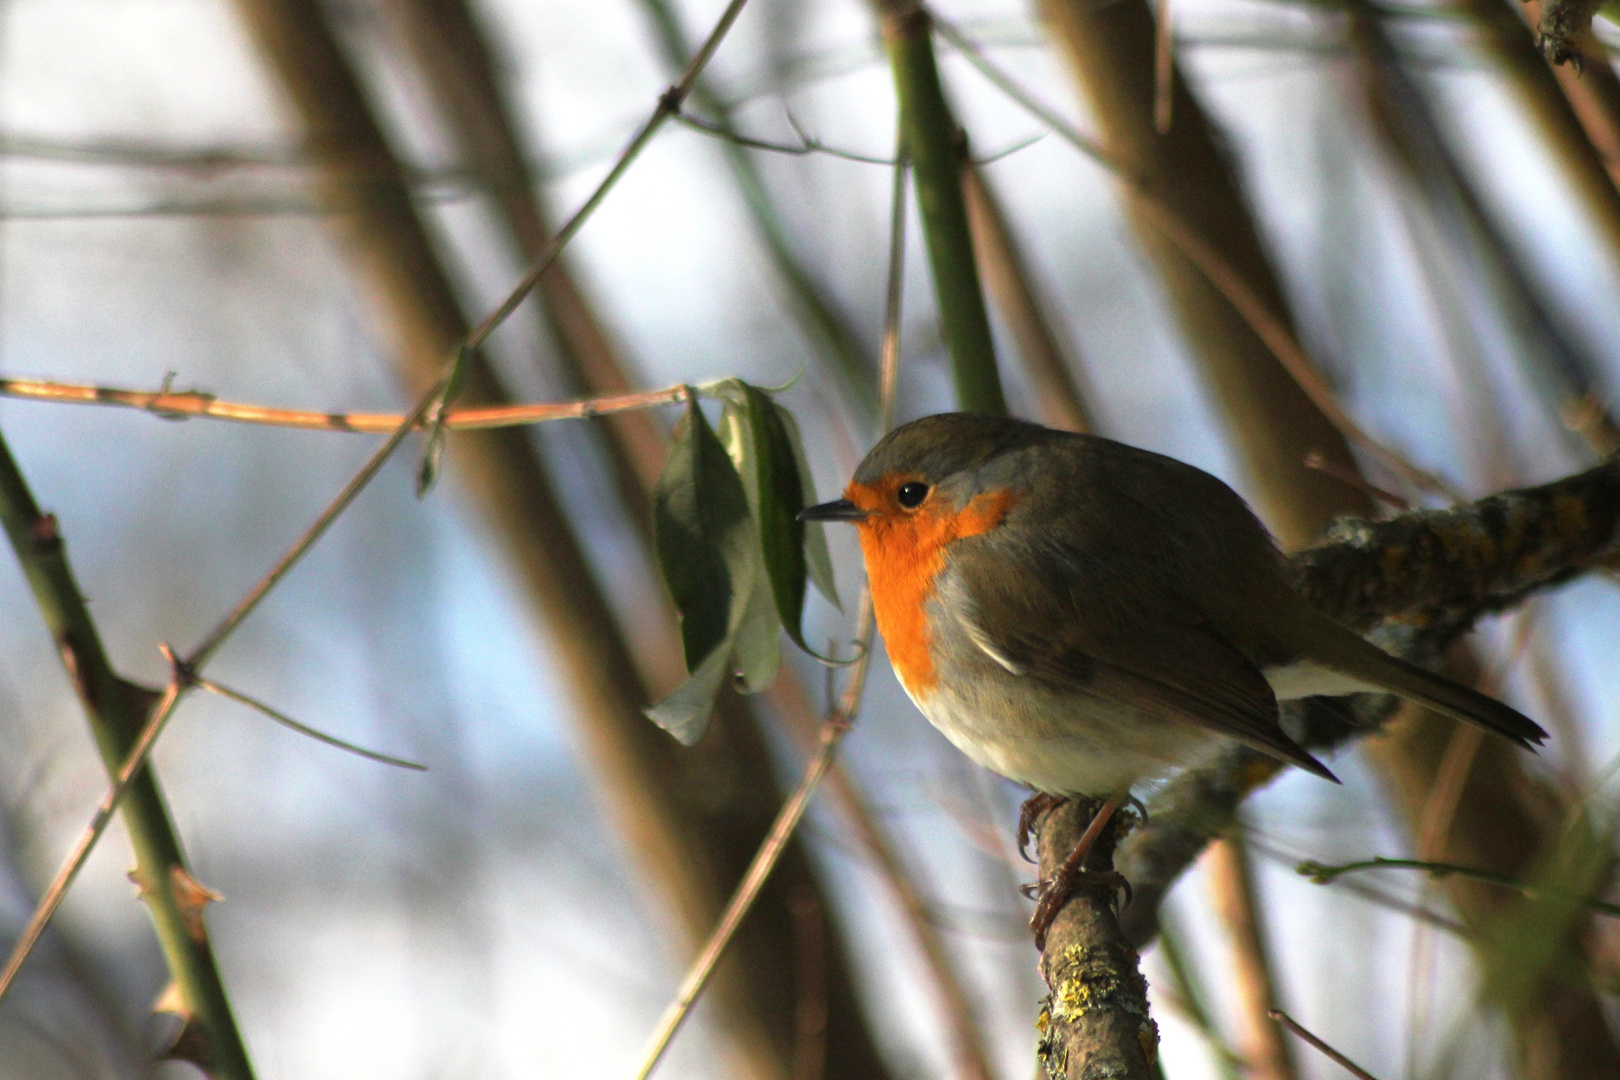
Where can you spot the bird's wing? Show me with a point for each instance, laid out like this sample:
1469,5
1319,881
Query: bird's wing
1094,623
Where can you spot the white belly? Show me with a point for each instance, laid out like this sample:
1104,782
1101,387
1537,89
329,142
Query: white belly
1066,745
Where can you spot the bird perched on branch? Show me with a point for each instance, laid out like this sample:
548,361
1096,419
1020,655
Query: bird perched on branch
1079,615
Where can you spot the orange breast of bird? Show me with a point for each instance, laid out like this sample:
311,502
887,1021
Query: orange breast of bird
904,553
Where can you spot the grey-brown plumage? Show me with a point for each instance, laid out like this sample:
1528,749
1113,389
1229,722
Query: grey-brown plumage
1124,616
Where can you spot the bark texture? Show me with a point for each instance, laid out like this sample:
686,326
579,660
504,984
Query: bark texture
1094,1024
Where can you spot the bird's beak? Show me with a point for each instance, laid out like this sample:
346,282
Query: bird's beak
838,510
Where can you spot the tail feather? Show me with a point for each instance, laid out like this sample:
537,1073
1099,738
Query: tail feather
1346,652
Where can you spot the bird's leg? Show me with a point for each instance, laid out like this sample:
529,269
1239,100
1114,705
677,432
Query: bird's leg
1056,890
1035,807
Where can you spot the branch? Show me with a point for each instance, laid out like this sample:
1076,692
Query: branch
186,404
1321,874
1095,1021
1428,576
118,712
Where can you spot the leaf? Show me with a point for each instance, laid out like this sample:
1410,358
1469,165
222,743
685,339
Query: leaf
704,538
685,713
816,556
427,469
758,637
763,453
758,641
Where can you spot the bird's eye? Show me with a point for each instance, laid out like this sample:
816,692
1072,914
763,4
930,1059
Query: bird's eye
911,495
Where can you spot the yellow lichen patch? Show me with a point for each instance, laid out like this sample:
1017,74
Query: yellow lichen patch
1091,979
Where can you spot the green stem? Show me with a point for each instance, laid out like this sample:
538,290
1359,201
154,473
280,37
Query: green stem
1323,875
933,143
117,710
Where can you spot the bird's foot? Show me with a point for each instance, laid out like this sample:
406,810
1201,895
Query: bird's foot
1035,807
1052,894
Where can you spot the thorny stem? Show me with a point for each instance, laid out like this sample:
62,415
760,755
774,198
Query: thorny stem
124,720
933,144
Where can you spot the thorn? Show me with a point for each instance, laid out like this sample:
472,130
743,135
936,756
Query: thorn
191,897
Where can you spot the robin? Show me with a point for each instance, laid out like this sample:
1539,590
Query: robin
1079,615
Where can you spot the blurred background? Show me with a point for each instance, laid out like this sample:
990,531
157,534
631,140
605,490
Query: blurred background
304,204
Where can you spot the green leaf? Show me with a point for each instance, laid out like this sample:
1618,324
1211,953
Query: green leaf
760,448
685,713
758,641
427,469
704,537
758,638
816,556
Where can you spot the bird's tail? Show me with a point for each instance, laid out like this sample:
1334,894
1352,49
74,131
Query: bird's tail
1344,651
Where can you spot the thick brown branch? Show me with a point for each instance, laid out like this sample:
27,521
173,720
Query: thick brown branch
1438,571
1095,1021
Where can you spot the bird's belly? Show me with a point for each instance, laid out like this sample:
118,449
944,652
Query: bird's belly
1063,743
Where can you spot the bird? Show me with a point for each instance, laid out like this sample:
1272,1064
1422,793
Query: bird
1080,615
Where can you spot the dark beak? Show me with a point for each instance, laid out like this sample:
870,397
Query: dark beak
840,510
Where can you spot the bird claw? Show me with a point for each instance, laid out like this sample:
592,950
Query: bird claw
1030,814
1052,894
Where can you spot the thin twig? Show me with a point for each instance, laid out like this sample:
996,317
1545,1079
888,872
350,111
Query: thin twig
803,148
833,729
189,404
304,729
227,626
184,677
52,899
1323,875
669,104
808,144
1298,1029
1220,273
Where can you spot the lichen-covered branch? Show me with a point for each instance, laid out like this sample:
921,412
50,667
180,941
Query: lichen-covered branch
1438,571
1094,1023
1424,577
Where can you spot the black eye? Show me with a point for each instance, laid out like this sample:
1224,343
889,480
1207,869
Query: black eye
911,495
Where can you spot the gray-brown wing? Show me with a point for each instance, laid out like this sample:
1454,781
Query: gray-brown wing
1095,626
